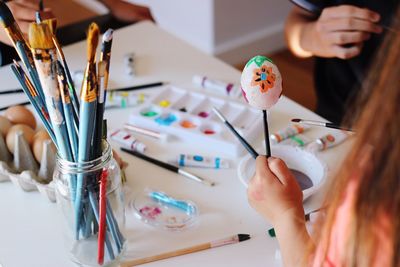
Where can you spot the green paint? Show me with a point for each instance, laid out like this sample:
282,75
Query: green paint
297,140
259,60
149,113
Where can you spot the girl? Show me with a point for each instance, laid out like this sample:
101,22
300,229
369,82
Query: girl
361,226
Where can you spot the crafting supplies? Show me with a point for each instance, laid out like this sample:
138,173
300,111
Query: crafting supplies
124,99
188,116
169,167
12,91
216,86
214,244
243,141
147,132
287,132
328,141
202,161
127,140
262,87
139,87
299,140
163,211
321,124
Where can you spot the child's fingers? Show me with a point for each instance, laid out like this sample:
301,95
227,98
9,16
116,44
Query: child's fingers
280,170
345,11
263,171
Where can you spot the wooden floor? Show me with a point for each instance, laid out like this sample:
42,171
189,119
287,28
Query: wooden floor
297,74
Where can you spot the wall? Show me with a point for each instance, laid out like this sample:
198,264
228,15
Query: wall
233,30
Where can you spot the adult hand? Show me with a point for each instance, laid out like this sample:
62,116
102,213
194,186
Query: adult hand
340,31
24,13
128,12
274,192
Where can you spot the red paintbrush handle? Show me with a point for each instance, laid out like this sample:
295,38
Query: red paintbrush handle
102,217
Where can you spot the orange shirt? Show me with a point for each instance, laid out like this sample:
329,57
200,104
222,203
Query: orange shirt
340,232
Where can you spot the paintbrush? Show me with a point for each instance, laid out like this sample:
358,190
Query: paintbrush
72,92
169,167
213,244
105,54
68,110
41,5
322,124
19,104
11,91
44,54
33,98
87,115
243,141
13,31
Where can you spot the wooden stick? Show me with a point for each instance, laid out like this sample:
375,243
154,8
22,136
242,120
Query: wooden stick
226,241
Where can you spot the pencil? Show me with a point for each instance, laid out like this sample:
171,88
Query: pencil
322,124
243,141
213,244
169,167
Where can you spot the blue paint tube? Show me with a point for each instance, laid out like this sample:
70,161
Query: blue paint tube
202,162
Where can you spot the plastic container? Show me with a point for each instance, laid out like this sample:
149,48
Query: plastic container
308,169
163,211
82,245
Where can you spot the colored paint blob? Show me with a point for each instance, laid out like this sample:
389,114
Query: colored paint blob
183,109
166,120
203,114
209,131
149,113
188,124
304,181
164,103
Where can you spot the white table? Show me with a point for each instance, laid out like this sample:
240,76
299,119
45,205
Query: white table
30,234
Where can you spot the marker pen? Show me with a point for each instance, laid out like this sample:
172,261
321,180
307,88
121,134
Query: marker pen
290,130
216,86
127,140
202,162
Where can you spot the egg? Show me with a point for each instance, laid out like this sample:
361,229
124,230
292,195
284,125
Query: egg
20,115
37,146
5,125
27,132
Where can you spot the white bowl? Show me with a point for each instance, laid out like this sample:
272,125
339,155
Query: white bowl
312,169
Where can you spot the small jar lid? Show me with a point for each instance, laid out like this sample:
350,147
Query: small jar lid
163,211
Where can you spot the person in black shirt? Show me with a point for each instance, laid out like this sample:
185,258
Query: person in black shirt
343,36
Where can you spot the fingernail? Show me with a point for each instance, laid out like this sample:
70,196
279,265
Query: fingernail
376,17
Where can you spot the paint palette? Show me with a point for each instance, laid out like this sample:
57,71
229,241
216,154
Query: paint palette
309,171
188,115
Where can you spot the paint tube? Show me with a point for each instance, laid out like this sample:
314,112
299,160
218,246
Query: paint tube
202,162
216,86
299,140
328,141
123,99
290,130
128,141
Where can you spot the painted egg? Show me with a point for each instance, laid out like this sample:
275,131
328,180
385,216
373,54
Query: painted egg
27,132
37,146
5,125
261,83
20,115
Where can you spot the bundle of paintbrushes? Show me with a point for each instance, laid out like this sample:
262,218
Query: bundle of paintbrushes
75,128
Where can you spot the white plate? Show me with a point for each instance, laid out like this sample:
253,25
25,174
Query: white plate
296,159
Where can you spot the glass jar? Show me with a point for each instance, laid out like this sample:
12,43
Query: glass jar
101,199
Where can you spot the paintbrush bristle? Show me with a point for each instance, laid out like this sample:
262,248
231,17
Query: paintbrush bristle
40,36
243,237
52,23
92,41
296,120
6,17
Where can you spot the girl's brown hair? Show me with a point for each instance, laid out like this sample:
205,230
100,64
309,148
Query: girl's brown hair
377,123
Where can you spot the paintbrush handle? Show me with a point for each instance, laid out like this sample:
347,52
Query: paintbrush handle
167,255
102,216
138,87
152,160
13,91
266,134
243,141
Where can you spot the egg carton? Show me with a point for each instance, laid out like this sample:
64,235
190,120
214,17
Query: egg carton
23,170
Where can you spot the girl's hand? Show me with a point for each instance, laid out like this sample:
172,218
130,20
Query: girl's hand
274,192
128,12
340,31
